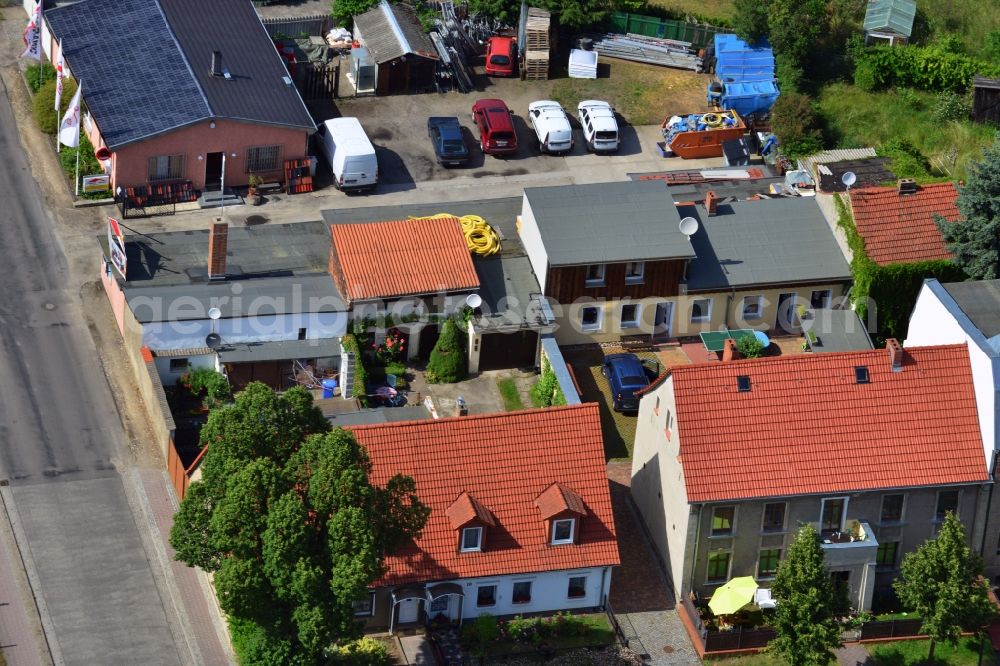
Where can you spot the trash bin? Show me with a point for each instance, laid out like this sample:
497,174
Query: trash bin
328,387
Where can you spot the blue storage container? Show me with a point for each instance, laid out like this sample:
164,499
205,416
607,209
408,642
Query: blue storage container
746,73
329,385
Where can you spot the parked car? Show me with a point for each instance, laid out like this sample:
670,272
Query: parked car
449,145
626,375
496,127
600,128
547,118
350,154
501,56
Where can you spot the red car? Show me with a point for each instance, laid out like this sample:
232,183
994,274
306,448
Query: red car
496,127
501,56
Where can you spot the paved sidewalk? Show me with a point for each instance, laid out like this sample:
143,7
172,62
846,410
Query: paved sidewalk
640,594
21,637
205,628
852,654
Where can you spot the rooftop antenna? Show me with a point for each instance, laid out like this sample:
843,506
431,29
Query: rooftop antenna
688,227
848,179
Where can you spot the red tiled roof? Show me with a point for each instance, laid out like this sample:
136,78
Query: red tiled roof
505,461
557,499
403,258
465,509
900,228
807,427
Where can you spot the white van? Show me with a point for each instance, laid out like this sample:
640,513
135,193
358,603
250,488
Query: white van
551,126
350,153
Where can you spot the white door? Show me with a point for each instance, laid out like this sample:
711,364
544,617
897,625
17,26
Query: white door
408,610
663,320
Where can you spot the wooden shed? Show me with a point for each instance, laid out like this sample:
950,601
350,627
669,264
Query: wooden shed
986,100
404,56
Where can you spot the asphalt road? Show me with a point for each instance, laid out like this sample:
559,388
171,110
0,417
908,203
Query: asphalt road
60,439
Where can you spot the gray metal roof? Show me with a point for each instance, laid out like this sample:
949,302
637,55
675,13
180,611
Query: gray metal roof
760,243
608,222
392,31
890,16
280,350
836,330
980,301
381,415
144,65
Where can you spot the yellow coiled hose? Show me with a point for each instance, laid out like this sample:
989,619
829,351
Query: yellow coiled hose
480,237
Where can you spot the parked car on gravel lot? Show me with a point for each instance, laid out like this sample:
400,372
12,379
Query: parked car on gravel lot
625,374
600,128
496,127
547,118
449,145
501,56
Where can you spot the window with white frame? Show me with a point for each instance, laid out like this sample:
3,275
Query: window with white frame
820,299
892,509
590,318
635,272
178,365
577,588
630,315
263,158
774,517
166,167
563,531
753,307
701,310
472,539
521,594
486,595
365,607
831,514
723,520
595,275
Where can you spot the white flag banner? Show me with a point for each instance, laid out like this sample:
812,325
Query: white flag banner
59,77
69,128
33,35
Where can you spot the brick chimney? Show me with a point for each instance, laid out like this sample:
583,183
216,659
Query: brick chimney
895,354
906,186
218,245
711,202
730,352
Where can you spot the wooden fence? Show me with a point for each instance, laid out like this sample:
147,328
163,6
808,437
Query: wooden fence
878,629
699,34
296,26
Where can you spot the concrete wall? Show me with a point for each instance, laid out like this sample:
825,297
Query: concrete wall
531,238
551,355
726,312
658,481
116,297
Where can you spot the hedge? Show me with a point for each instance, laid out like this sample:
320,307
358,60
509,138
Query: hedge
44,102
546,392
350,344
932,67
892,288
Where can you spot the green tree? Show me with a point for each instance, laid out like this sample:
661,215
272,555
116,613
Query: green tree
750,19
795,26
807,634
344,11
793,120
975,238
287,519
506,11
940,582
448,362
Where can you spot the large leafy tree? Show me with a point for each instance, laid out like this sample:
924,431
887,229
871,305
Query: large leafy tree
750,19
806,631
286,518
975,238
940,582
344,11
795,26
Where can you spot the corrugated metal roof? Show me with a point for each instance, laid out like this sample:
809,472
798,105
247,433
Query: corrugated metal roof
766,242
891,16
392,31
279,350
144,65
608,222
839,155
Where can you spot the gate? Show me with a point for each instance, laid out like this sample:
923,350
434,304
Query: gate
508,350
320,81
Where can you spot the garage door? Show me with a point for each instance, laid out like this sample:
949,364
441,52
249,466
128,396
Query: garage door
508,350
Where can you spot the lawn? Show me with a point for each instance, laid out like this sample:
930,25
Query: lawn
856,118
511,396
969,20
761,659
642,94
598,632
909,653
705,8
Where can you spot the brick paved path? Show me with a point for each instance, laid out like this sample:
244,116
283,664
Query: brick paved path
640,595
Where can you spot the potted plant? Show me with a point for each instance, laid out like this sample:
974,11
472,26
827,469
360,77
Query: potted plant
253,189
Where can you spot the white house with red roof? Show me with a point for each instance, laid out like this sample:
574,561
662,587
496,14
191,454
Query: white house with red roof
871,447
520,522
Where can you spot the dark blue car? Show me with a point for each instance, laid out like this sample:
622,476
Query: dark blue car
626,375
449,144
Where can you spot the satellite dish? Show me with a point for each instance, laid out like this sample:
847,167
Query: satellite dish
473,301
213,340
214,313
688,226
849,178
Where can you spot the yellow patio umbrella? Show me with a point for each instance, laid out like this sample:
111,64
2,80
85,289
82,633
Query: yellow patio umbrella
733,596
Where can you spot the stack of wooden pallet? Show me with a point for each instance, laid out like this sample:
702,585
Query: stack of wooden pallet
536,45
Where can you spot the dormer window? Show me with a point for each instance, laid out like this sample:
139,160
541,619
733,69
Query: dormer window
563,531
472,539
